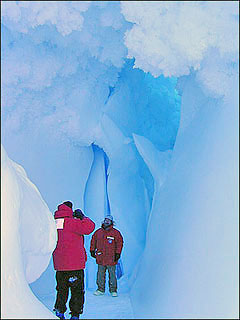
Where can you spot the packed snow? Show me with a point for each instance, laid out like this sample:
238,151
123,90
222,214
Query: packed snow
127,107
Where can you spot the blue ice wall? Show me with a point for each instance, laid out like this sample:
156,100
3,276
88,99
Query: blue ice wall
77,74
192,236
149,106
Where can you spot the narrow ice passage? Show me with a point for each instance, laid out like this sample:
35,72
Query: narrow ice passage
102,307
130,107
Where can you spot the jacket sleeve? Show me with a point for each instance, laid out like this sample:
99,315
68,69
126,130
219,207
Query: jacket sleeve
93,242
119,243
84,226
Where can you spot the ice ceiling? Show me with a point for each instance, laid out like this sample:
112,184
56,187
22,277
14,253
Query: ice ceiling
64,64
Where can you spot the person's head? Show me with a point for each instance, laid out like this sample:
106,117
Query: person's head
108,221
68,203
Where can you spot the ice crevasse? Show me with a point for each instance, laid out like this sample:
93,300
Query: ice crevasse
109,74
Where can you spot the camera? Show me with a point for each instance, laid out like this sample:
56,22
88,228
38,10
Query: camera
78,214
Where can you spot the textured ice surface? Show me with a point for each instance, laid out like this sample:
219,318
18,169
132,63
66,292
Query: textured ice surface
28,236
113,74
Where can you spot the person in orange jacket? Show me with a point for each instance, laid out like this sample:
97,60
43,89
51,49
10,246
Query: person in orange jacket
106,247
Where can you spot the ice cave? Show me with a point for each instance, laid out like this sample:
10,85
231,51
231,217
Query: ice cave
127,107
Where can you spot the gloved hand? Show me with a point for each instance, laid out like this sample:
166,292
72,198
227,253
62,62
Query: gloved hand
78,214
117,256
93,253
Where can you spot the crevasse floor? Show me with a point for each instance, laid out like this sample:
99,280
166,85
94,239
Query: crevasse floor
99,307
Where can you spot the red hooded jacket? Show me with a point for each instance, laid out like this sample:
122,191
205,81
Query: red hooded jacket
106,243
70,253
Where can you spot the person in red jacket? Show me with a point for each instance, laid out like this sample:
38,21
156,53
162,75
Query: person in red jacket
69,258
106,247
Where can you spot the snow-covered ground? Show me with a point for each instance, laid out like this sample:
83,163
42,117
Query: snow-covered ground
99,307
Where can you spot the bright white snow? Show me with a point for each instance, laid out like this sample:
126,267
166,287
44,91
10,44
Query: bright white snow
28,236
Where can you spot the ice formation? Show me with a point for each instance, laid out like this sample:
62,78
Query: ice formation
132,107
28,236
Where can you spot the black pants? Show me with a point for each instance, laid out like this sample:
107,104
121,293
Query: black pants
75,281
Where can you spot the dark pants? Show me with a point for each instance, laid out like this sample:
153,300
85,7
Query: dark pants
75,281
101,278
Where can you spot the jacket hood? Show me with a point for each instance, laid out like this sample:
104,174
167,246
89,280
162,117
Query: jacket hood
63,211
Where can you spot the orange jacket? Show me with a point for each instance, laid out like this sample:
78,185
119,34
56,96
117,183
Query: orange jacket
106,243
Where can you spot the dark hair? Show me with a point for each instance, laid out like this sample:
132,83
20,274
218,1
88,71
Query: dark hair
68,203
